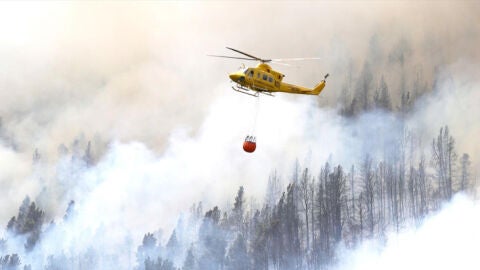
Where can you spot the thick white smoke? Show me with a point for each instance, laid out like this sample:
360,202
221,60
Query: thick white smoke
446,240
133,190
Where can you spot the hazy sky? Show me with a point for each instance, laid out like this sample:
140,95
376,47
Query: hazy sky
133,71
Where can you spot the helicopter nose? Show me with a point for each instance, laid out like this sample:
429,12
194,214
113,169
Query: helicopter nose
235,77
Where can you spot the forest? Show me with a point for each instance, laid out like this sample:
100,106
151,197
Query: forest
303,221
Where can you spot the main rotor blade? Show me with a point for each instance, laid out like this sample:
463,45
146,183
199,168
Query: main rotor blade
297,59
280,63
232,57
249,55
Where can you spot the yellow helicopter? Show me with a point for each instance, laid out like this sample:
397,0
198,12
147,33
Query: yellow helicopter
263,79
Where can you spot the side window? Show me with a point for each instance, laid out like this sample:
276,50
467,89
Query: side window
270,79
265,77
258,75
250,73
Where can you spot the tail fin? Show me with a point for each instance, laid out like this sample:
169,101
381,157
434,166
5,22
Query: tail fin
319,87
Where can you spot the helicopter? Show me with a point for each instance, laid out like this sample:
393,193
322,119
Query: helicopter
263,79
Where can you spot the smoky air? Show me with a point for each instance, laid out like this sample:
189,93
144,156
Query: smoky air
121,142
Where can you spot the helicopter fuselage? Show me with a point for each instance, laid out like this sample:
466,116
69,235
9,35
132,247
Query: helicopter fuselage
263,78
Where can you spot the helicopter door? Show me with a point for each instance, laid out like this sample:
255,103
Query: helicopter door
270,80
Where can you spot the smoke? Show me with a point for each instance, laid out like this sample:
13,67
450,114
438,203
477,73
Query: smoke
13,167
445,240
126,71
133,190
166,131
453,103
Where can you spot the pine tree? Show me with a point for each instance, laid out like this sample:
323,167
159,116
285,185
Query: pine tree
364,85
443,158
237,257
88,158
3,245
189,263
306,204
274,189
172,245
22,216
148,249
10,262
381,97
291,224
465,172
158,264
368,190
58,262
238,209
28,222
258,242
212,240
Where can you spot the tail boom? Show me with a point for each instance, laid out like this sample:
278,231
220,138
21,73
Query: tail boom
290,88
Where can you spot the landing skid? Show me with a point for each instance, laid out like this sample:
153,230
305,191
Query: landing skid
247,91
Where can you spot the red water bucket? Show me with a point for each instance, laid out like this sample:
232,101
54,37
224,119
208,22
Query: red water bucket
249,144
